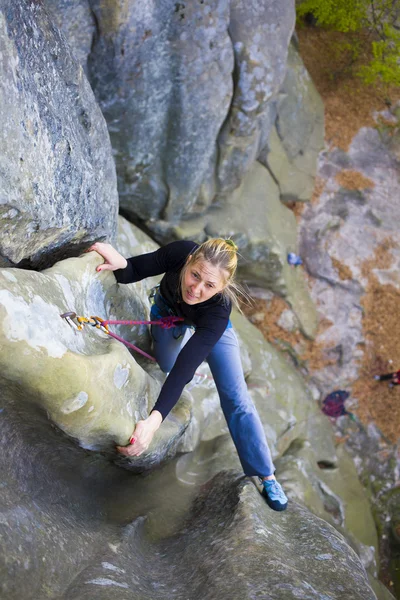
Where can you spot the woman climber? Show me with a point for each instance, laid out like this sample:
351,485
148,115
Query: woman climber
198,285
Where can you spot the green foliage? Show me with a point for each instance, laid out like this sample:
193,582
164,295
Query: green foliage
374,17
342,15
385,64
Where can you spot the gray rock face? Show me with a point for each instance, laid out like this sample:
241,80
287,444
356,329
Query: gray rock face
252,555
57,177
260,34
256,98
188,92
35,340
298,135
71,511
163,79
53,503
77,21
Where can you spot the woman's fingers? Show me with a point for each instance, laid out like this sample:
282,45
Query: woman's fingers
130,450
113,260
95,247
142,436
104,267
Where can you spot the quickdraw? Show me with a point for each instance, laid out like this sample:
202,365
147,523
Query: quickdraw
99,323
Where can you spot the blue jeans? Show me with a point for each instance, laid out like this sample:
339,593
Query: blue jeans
226,367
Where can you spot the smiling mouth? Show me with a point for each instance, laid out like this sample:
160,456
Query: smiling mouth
191,296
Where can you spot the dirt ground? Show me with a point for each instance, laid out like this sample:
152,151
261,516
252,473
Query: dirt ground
377,401
349,105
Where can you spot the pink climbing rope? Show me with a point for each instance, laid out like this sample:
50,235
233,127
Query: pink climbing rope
164,322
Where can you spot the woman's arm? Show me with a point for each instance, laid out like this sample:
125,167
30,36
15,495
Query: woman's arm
145,265
189,358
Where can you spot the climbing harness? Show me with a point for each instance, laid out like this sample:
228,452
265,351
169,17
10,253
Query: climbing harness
103,325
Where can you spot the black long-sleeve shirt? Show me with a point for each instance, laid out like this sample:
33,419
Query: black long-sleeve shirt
210,318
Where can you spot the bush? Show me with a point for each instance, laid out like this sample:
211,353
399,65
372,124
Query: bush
380,19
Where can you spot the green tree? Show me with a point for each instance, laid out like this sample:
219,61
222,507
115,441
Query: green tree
379,19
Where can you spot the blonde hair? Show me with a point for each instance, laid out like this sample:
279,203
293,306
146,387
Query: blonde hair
222,254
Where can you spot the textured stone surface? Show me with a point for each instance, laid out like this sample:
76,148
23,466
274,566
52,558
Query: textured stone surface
242,530
78,23
332,492
256,96
57,176
230,545
260,34
89,384
163,81
293,146
188,91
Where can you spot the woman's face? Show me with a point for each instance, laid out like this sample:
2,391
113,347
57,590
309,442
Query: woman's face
201,281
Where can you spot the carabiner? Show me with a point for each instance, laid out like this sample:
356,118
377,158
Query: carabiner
68,317
82,321
98,322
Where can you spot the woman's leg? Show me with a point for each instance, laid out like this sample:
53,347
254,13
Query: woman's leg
240,413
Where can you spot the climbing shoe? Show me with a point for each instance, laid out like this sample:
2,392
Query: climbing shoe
274,494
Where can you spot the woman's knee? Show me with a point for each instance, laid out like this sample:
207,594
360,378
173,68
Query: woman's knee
165,362
237,400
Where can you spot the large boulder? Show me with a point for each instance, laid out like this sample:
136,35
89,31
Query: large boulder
57,175
150,80
88,383
233,547
70,528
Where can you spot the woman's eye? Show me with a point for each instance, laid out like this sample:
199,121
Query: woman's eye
195,275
